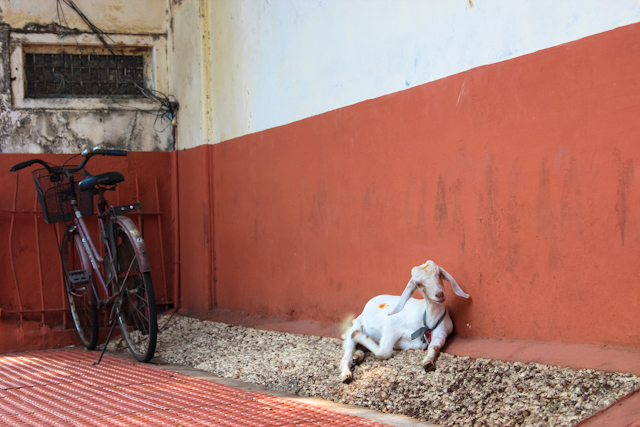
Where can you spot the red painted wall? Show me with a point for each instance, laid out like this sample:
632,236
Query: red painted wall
29,246
522,179
196,229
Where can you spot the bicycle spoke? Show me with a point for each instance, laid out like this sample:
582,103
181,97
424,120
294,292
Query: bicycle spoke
137,314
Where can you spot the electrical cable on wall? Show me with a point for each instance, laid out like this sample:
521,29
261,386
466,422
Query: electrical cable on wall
97,31
168,103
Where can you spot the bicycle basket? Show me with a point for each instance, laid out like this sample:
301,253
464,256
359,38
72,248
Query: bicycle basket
54,192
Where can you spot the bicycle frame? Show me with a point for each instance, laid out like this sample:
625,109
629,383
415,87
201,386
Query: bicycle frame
91,256
127,289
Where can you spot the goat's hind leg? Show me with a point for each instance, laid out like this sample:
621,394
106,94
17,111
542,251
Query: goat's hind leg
384,350
358,356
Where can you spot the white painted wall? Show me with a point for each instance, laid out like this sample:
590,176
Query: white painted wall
278,61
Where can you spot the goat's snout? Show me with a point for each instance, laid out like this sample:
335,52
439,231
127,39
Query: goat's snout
439,297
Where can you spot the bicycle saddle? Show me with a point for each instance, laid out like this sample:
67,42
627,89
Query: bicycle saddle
107,178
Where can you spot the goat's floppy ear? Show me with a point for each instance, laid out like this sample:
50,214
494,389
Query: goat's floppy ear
454,285
408,291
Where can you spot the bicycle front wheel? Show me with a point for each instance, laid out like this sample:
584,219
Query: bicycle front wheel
138,310
77,283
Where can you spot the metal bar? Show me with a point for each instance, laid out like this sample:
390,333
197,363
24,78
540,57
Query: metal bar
15,211
39,211
64,292
102,254
84,233
138,200
56,310
85,237
13,265
46,310
164,273
35,219
145,213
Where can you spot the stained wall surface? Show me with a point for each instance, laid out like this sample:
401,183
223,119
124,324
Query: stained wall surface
58,127
325,148
118,16
521,178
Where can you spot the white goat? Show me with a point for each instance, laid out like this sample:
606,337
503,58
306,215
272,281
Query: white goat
419,324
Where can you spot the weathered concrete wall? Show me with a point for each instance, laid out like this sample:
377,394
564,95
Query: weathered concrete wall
114,16
43,131
186,80
53,130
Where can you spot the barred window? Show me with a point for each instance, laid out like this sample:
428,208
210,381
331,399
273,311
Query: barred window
61,75
77,72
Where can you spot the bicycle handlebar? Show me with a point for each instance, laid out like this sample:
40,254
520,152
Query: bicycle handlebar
109,152
27,163
60,170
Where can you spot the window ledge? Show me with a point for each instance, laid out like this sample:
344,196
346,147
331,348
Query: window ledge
84,104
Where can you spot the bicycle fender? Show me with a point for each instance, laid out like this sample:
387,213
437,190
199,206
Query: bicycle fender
138,243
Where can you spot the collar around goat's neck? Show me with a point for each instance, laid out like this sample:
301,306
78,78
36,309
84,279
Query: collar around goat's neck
425,331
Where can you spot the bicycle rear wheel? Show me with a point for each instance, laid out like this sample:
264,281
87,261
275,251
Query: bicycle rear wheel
77,283
137,318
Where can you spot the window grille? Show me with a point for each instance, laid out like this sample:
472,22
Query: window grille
83,76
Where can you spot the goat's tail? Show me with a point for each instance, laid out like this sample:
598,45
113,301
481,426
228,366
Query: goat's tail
346,324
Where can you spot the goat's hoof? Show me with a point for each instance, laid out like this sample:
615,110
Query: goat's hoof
347,378
429,366
358,356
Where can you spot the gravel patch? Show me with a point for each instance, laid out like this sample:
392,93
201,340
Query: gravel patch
461,391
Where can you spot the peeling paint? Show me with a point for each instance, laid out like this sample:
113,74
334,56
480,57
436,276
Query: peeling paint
115,16
4,59
37,131
52,129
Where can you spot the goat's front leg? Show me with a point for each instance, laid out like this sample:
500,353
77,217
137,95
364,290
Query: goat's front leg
348,346
437,341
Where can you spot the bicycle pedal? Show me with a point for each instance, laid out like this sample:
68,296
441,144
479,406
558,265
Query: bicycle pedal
78,276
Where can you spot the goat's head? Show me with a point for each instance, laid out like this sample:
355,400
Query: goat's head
427,279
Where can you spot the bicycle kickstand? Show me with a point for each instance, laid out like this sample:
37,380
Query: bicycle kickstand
113,325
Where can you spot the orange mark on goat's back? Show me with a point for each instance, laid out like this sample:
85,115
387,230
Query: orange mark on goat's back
381,306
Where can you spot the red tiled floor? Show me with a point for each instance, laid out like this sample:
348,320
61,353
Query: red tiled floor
63,388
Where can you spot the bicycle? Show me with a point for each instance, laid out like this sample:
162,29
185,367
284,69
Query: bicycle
121,276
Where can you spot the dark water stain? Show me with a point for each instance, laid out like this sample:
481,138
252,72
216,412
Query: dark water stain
489,215
205,221
512,259
546,215
622,202
440,213
544,202
321,196
421,223
458,213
